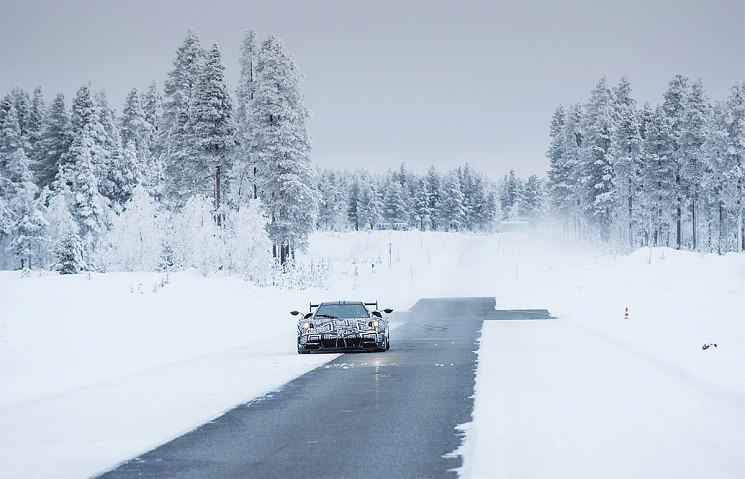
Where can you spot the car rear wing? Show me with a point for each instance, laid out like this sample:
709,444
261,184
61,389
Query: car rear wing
372,304
313,306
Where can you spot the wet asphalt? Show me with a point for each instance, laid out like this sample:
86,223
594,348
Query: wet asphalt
385,414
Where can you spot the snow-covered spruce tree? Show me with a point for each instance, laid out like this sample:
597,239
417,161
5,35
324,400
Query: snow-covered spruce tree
22,103
280,121
89,205
371,204
36,116
532,200
243,176
658,179
451,209
433,184
137,234
716,184
64,231
673,107
597,175
735,119
176,140
626,155
29,228
353,205
573,152
422,210
696,114
249,245
211,127
509,193
559,172
394,207
55,141
333,200
108,160
24,224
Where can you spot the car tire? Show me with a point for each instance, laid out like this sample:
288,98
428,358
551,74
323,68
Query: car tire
387,343
301,350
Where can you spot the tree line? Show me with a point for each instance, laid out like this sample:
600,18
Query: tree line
672,175
67,176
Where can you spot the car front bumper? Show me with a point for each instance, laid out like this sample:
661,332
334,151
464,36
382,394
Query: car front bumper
337,342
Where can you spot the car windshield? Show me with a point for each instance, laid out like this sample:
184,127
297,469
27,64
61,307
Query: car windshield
342,311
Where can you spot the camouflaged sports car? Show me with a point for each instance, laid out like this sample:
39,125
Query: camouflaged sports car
343,326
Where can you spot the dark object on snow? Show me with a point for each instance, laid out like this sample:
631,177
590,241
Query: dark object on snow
707,346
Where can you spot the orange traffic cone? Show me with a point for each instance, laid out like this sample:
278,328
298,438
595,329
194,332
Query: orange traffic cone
626,315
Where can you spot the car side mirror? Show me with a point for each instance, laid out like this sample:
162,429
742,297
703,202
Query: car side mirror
388,310
294,313
377,313
308,315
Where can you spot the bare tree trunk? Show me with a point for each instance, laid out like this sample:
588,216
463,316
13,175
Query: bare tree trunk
631,232
721,227
695,218
217,196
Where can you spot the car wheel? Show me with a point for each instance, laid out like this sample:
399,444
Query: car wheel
300,350
387,343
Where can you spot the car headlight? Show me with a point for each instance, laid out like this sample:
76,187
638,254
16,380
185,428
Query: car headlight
373,324
307,325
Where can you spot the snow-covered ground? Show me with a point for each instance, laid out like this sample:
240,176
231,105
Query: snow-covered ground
96,369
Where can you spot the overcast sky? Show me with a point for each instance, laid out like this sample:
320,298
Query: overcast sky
427,83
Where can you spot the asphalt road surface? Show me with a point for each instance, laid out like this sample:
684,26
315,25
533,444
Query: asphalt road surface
391,414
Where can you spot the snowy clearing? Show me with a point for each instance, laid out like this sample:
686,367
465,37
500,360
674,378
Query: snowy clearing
95,371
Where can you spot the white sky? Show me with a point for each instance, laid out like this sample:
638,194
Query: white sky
440,83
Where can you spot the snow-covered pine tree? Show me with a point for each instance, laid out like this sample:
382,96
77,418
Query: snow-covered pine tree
573,152
598,176
89,205
626,154
433,184
451,208
36,117
56,138
394,206
509,193
735,119
29,227
107,153
154,170
137,160
353,205
175,138
696,113
371,204
280,132
211,128
64,231
559,172
244,165
674,108
716,183
422,210
658,178
22,104
532,200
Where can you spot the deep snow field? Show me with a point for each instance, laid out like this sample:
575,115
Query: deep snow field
96,369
